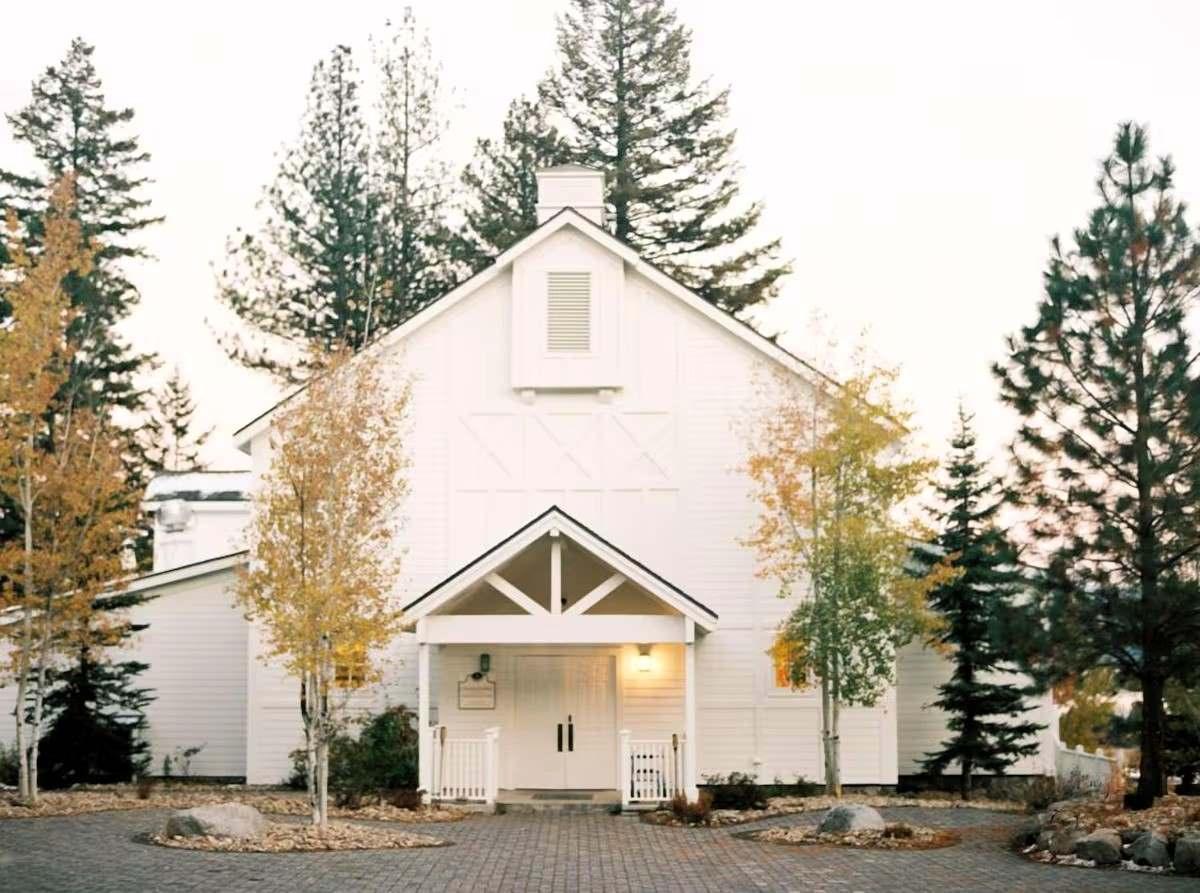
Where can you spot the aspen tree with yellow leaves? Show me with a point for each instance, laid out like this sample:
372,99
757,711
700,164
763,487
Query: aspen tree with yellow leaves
834,476
60,465
324,565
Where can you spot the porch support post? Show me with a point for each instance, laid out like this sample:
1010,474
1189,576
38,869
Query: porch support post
424,744
689,710
555,572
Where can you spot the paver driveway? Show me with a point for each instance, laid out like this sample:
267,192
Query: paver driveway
100,853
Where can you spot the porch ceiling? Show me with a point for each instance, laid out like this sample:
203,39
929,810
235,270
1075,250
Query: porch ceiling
587,589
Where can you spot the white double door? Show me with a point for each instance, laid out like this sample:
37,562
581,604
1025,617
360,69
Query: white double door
566,722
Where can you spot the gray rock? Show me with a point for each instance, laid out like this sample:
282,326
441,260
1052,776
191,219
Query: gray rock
1150,849
1187,855
1129,835
851,817
1102,846
1061,841
221,820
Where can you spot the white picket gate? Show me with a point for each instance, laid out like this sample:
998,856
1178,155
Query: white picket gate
651,771
465,768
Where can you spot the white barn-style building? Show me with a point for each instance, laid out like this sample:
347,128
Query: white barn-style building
583,614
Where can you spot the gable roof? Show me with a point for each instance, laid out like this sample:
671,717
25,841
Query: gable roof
567,217
554,518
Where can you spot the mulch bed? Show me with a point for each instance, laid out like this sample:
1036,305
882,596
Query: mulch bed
292,838
778,806
894,837
277,802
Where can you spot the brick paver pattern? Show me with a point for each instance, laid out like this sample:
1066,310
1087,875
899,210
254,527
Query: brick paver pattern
104,852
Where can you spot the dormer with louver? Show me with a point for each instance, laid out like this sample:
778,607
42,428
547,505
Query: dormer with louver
567,296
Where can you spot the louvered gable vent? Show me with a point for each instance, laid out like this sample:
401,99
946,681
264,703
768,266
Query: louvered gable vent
569,312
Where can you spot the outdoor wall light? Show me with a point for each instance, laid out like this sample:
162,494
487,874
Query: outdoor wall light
644,661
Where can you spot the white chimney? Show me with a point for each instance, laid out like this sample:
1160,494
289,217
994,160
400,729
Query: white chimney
570,186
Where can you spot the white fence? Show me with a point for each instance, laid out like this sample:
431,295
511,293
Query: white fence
1093,769
465,768
651,771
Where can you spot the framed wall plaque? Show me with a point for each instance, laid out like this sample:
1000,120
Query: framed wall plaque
477,694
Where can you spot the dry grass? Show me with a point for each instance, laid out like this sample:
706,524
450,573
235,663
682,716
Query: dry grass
290,838
124,797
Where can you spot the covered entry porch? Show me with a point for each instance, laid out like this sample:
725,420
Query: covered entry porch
555,662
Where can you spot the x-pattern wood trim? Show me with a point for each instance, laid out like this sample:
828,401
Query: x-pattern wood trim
596,594
519,598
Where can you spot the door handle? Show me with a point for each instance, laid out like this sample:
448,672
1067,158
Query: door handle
570,735
560,737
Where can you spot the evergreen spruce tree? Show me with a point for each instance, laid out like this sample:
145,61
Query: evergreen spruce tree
169,439
631,108
410,179
502,185
70,129
986,734
310,275
1109,445
95,715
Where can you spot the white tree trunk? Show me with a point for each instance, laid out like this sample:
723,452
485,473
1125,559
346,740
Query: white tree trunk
830,741
26,784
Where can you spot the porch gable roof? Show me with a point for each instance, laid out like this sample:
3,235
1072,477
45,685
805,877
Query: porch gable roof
554,518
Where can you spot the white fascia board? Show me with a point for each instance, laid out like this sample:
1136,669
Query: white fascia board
585,539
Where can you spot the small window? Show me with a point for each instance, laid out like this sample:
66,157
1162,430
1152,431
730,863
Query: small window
783,656
569,312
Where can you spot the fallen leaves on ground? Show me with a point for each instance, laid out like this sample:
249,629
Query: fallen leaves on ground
290,838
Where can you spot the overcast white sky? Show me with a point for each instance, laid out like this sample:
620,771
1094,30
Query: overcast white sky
915,157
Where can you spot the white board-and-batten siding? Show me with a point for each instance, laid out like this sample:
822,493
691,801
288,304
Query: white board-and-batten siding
651,465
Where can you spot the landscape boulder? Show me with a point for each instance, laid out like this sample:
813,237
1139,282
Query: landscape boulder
1060,841
1150,849
1102,846
1187,855
222,820
851,817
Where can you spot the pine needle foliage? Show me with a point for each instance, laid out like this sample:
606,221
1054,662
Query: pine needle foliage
984,714
1107,455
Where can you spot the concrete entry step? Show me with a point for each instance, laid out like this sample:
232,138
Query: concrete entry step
528,801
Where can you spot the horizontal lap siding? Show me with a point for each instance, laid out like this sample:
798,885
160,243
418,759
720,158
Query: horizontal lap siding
195,646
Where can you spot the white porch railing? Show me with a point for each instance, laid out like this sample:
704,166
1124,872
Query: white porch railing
651,771
1093,769
465,768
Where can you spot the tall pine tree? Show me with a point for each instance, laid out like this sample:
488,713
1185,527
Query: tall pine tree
630,107
502,186
986,735
70,129
353,238
170,440
410,178
310,275
1108,450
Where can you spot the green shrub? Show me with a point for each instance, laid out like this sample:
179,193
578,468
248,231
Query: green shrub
695,812
735,791
10,766
382,757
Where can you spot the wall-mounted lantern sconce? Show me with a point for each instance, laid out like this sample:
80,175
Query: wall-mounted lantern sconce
485,665
644,661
